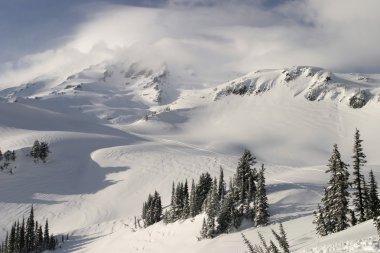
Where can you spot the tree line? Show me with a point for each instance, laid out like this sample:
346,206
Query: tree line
347,202
225,207
39,152
29,236
7,158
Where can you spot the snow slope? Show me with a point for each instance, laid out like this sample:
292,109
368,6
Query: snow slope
120,131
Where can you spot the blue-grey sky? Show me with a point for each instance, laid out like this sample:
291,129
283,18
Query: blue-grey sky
33,25
28,26
213,37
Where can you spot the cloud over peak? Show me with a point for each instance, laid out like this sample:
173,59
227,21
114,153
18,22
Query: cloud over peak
218,38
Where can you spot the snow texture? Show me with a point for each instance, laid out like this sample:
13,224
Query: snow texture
120,131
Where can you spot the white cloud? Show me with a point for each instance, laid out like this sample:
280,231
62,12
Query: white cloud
217,40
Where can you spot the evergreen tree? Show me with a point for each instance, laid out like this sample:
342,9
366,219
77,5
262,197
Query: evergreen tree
225,217
273,247
252,186
261,204
210,224
263,242
186,202
22,237
172,204
8,156
334,211
242,177
46,235
143,215
35,152
376,223
320,222
167,217
249,245
52,243
25,238
339,190
353,219
40,236
373,197
201,191
12,239
44,151
366,200
212,200
179,202
13,156
36,241
17,236
30,235
149,214
222,185
358,181
152,209
282,239
157,207
192,204
204,229
212,209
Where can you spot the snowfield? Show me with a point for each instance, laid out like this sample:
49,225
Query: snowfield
119,131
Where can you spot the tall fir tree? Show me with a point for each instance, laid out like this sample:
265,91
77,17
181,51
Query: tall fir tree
358,183
22,236
156,207
212,209
373,197
152,209
204,229
261,203
225,216
186,202
222,185
201,190
46,235
192,202
172,204
319,221
335,201
30,235
242,177
12,239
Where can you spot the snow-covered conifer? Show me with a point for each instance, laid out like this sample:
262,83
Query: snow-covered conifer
373,197
358,180
222,185
261,203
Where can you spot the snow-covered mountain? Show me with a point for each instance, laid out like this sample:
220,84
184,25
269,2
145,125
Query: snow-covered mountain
120,131
315,84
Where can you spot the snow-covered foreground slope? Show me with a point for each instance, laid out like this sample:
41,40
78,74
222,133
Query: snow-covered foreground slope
119,132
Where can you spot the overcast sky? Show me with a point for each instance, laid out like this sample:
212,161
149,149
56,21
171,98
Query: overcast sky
212,37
